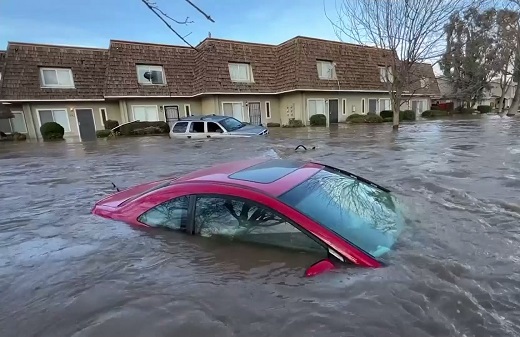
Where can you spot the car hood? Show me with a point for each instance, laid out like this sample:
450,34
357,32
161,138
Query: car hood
250,129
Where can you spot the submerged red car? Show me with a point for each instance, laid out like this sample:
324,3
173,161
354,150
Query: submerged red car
306,206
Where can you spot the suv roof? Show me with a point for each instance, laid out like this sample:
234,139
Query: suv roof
212,118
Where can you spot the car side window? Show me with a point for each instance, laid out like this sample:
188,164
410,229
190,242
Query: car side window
197,127
214,127
247,221
172,214
180,127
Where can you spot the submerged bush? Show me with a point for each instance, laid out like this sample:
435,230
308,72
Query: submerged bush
484,109
103,133
435,113
273,125
294,123
142,128
318,120
365,119
52,131
110,124
407,115
386,114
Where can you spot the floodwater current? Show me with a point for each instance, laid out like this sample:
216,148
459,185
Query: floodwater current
454,272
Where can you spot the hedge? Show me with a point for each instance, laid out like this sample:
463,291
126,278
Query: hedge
406,115
294,123
144,128
103,133
364,119
318,120
435,113
484,109
386,113
273,125
52,131
110,124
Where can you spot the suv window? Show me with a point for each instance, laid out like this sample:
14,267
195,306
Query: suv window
197,127
172,214
214,127
180,127
246,221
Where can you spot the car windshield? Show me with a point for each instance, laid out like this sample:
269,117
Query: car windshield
360,213
231,124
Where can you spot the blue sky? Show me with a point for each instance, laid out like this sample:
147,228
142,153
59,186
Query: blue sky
95,22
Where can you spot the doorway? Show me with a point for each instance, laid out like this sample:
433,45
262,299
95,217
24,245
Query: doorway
171,112
87,128
333,110
255,115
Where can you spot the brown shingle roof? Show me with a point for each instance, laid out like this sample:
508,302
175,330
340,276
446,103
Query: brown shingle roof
276,68
420,71
21,78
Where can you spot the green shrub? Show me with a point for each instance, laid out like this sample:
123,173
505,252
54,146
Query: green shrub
294,123
366,119
103,133
407,115
110,124
273,125
132,128
386,113
354,116
19,136
388,119
318,120
52,131
465,111
484,109
435,113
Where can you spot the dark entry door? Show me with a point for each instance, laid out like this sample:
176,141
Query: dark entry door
333,110
255,115
87,128
172,114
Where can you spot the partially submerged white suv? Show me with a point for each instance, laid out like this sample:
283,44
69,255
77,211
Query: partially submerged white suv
213,126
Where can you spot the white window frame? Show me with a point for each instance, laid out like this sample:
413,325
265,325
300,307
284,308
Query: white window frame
332,76
363,106
384,73
268,109
233,102
344,106
53,109
101,115
186,114
150,67
67,86
24,122
249,72
325,105
144,106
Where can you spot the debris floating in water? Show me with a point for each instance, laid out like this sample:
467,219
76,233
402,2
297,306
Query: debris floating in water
305,148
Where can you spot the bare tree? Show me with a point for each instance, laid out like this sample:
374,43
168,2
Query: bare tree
412,30
514,5
166,19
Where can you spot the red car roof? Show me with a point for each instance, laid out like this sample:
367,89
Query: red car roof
271,176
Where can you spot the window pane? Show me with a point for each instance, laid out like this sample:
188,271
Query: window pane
18,123
372,105
151,114
50,77
228,109
320,107
180,127
46,116
268,109
214,127
157,76
197,127
312,107
64,77
172,214
5,126
141,70
237,111
139,113
233,71
60,117
245,221
242,72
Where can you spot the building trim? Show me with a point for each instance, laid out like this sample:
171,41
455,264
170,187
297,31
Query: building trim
55,100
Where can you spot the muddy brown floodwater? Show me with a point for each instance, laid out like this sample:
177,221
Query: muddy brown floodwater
455,271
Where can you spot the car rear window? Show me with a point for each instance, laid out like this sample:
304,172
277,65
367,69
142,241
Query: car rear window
267,172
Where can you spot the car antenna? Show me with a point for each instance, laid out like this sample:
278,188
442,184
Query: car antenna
117,189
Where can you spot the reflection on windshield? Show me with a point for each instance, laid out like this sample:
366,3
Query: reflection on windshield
231,124
358,212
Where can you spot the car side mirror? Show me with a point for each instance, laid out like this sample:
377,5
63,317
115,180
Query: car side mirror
319,267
